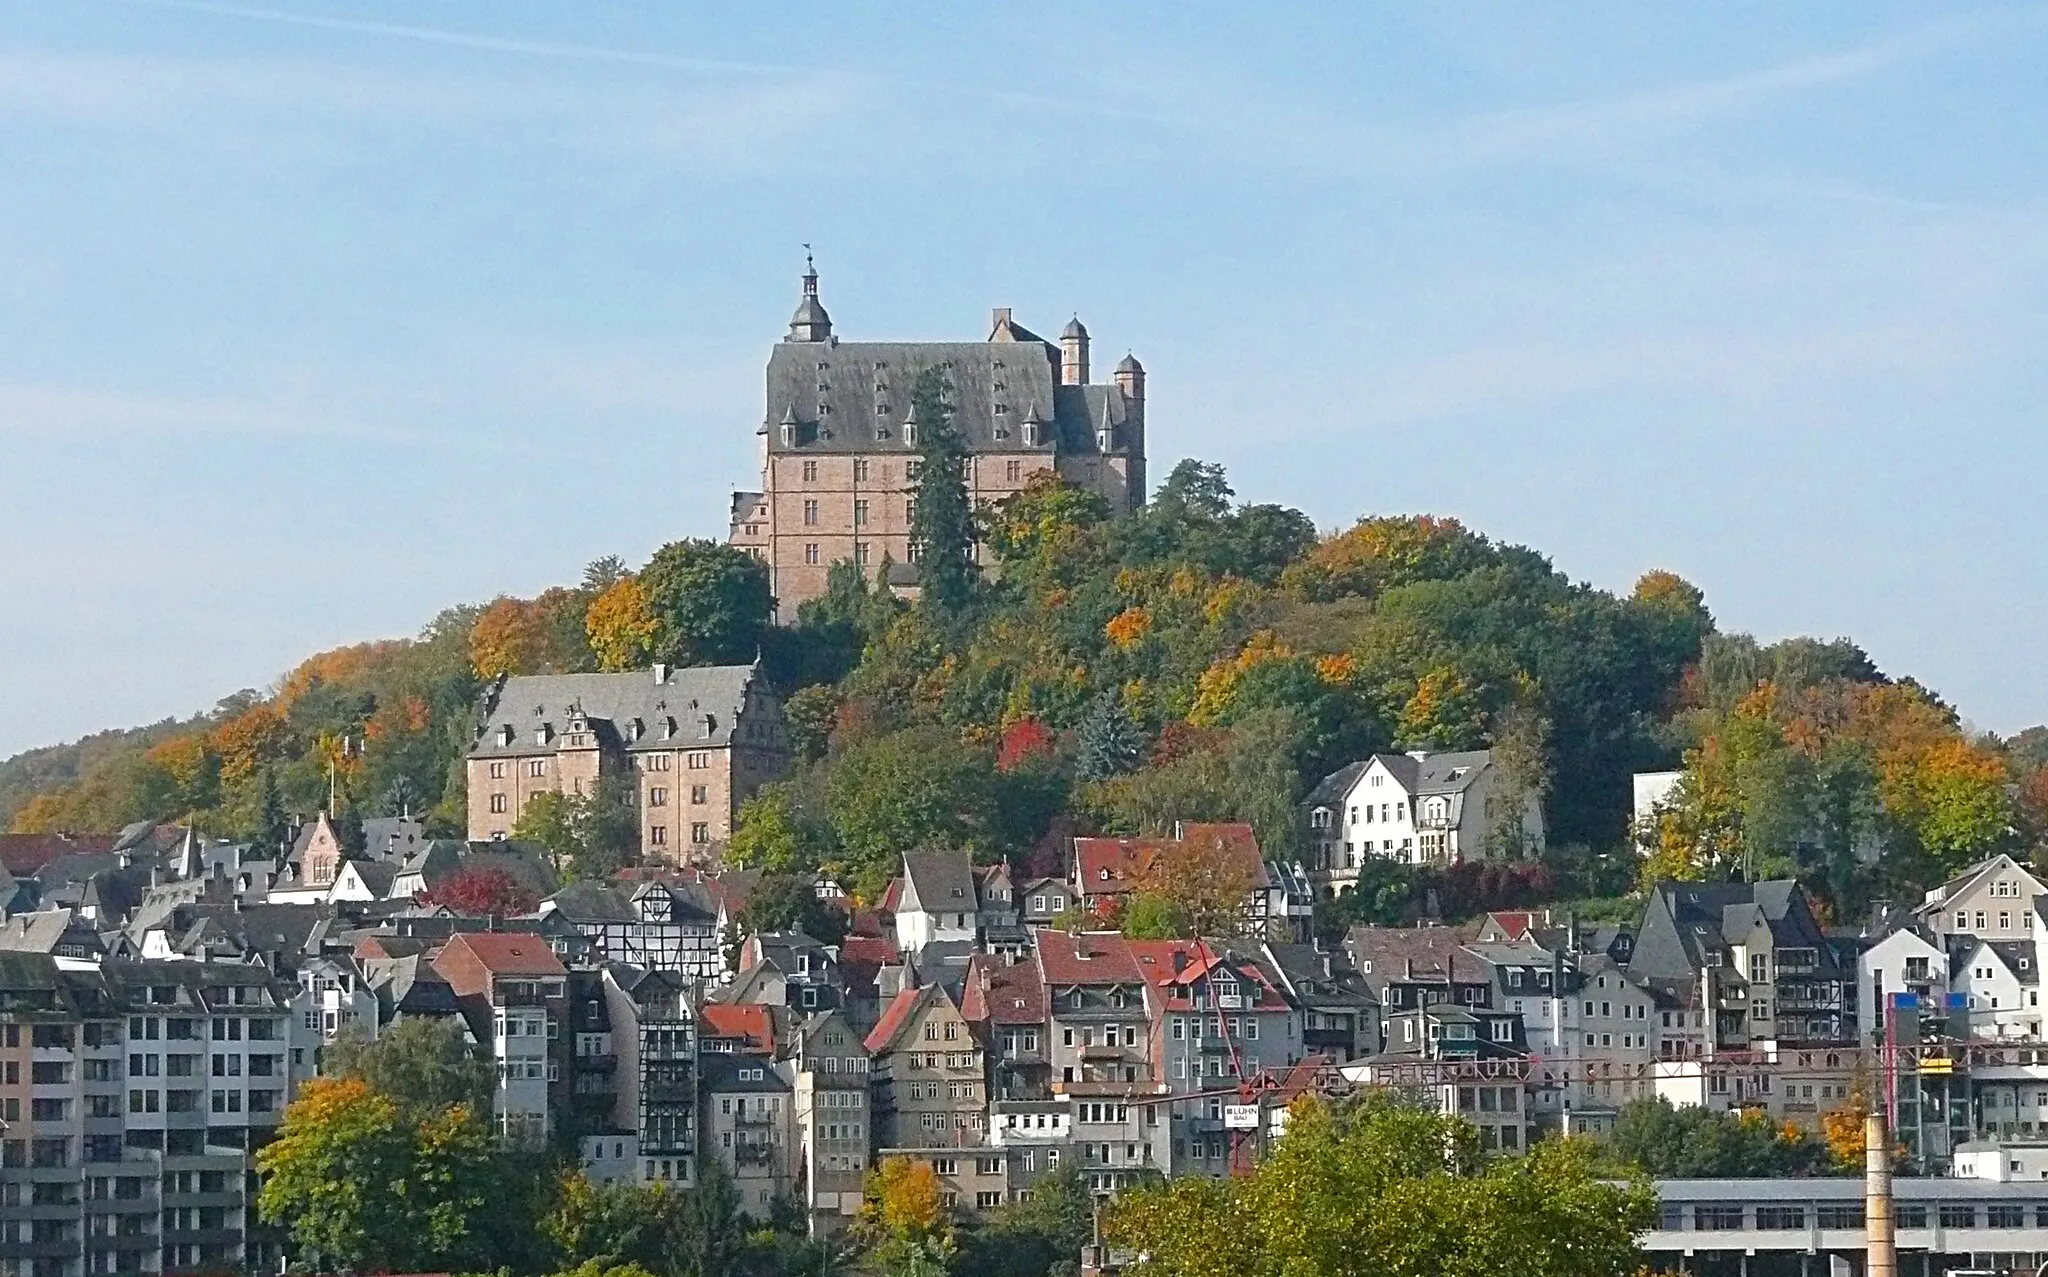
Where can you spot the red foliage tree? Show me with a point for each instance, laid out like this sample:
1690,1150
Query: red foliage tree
1024,740
482,889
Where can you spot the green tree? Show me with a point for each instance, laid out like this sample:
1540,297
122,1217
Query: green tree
359,1184
904,791
1109,742
1700,1143
1040,1234
591,835
788,902
769,835
422,1064
273,822
711,601
942,526
1383,1188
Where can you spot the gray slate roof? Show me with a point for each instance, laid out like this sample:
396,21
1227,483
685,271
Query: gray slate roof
943,880
866,387
1438,773
614,702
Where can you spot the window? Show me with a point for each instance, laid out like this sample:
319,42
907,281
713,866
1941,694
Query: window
860,514
1717,1219
810,551
537,767
912,471
697,761
1780,1217
810,514
700,833
498,803
1913,1216
810,472
1958,1215
860,472
657,797
657,835
497,771
860,553
2006,1215
1013,470
1839,1216
700,794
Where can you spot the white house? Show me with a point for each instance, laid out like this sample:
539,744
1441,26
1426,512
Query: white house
938,899
1904,962
1417,808
2000,983
1991,900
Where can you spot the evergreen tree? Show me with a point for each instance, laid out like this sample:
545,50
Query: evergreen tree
348,827
273,823
1110,743
942,528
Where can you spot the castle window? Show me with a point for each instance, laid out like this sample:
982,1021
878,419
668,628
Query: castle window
657,797
658,835
882,410
910,509
700,833
912,470
498,803
824,367
810,472
810,514
497,771
860,472
1013,470
1002,409
810,551
1002,431
823,388
860,553
700,794
860,513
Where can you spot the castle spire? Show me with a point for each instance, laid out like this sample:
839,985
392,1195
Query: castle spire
810,323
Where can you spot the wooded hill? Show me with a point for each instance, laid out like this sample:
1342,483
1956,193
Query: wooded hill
1196,659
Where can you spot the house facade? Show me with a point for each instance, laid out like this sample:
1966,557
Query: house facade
1418,809
696,742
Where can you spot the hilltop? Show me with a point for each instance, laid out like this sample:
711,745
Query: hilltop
1195,659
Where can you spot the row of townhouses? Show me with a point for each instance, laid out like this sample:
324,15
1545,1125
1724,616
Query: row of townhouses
161,999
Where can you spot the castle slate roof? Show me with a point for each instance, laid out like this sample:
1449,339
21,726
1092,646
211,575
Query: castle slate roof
842,393
691,707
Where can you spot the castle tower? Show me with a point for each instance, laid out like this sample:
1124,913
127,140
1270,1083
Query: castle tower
810,323
1074,354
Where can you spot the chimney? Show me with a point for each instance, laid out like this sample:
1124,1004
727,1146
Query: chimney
660,673
1329,971
998,322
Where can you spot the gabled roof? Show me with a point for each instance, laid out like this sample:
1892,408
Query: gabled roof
1111,866
1003,992
1403,955
24,855
941,881
1091,957
1332,788
591,902
684,708
509,954
748,1022
1175,965
901,1013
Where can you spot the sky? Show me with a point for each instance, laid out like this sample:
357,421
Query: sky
318,318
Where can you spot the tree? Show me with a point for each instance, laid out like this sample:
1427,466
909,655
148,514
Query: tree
621,625
273,822
549,821
906,791
942,525
710,600
1109,743
358,1183
904,1219
422,1065
1197,884
788,902
483,889
1039,1234
591,835
770,835
808,715
1700,1143
1384,1188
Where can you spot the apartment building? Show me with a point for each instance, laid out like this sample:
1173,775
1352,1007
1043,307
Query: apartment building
749,1123
513,992
827,1070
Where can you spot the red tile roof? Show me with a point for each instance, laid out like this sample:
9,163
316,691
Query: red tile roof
1015,993
513,954
1155,959
745,1020
896,1017
1108,866
876,949
26,854
1092,957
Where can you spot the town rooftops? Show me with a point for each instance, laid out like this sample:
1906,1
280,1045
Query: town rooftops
940,881
1112,866
746,1023
659,709
1437,773
24,855
1003,992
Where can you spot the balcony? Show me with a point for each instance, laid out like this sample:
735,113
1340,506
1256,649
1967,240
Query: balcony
753,1117
749,1154
596,1063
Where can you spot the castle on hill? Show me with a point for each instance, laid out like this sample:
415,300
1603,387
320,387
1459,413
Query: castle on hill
840,450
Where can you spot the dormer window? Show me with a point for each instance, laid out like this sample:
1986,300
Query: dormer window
1033,434
1103,440
789,434
505,734
543,734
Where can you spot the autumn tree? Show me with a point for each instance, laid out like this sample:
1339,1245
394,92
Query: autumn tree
1381,1187
904,1220
710,601
1196,885
359,1183
621,625
1693,1142
942,526
482,889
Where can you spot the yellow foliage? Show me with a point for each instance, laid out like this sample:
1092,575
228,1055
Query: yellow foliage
905,1200
342,665
248,738
1336,670
1217,686
41,814
621,625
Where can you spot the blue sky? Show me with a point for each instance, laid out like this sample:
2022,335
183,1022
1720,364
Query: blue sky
317,318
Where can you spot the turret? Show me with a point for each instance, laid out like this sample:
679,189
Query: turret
1074,353
1130,378
810,323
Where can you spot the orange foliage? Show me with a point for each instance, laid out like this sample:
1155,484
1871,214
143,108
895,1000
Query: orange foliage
1129,626
621,625
1217,686
342,665
509,638
247,740
1337,670
41,814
